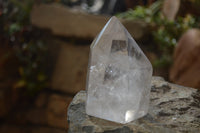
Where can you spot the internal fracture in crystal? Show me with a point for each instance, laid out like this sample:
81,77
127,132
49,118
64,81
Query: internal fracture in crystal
119,76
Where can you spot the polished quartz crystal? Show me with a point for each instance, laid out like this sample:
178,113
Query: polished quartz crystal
119,76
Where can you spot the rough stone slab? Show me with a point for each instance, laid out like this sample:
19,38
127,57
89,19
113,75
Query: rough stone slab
173,109
48,110
69,74
66,22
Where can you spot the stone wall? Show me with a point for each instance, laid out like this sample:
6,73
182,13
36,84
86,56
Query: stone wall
68,22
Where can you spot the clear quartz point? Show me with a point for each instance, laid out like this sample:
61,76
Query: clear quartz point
119,76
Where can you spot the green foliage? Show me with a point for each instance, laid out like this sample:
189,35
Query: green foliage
142,13
165,32
15,15
32,69
13,28
139,13
167,35
26,43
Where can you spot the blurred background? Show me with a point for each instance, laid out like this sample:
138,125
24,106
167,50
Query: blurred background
44,48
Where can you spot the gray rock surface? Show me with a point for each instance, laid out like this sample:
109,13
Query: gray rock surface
173,109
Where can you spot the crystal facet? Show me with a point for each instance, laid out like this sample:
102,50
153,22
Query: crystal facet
119,76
